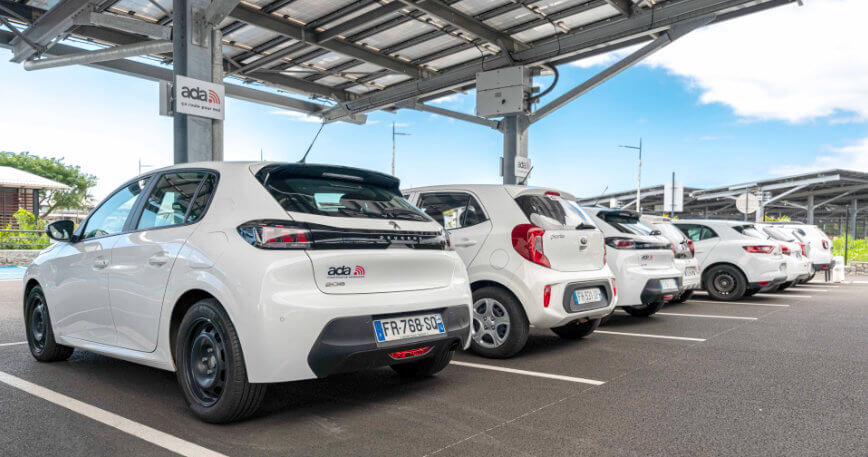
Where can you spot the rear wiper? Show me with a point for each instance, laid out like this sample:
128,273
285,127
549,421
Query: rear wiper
407,212
585,226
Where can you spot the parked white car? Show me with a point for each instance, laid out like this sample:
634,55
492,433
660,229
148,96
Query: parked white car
235,275
799,268
642,260
534,258
818,245
685,258
735,261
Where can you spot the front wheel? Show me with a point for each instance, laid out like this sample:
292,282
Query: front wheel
725,283
575,330
426,367
683,297
500,327
40,334
210,366
644,311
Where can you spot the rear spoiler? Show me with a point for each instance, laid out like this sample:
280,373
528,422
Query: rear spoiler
336,172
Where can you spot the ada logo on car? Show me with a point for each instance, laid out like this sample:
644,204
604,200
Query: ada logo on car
345,271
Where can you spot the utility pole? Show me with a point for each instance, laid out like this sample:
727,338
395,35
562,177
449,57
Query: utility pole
142,166
394,134
639,176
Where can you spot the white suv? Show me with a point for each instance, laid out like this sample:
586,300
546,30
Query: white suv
235,275
818,246
534,258
643,261
685,256
799,268
736,262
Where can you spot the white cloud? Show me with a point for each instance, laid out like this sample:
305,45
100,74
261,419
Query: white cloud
297,116
790,63
604,60
445,100
851,157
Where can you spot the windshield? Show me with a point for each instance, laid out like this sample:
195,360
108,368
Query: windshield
625,223
553,212
751,231
778,234
332,197
670,231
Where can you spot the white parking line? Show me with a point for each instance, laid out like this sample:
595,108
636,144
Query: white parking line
151,435
775,305
805,289
784,294
712,316
647,335
529,373
12,344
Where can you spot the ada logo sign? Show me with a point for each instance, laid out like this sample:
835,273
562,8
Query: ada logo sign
522,167
344,271
199,98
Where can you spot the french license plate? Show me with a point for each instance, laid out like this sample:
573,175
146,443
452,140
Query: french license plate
399,328
583,296
690,272
668,284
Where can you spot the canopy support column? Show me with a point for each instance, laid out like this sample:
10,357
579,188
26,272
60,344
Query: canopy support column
514,144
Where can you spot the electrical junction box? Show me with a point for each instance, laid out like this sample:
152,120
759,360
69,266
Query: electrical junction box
503,91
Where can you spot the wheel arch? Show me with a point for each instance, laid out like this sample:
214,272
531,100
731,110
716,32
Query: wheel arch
182,304
31,283
476,285
705,271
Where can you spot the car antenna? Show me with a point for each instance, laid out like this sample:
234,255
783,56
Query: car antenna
601,194
304,157
524,182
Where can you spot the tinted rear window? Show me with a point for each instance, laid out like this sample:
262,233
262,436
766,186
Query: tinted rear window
625,223
339,198
751,231
778,234
670,231
553,212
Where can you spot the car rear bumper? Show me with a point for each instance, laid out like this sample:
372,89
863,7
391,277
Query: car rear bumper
348,343
765,285
636,285
654,293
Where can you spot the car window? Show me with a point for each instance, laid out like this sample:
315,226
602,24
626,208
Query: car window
778,234
203,196
452,210
625,222
751,231
553,212
670,232
110,217
697,232
170,199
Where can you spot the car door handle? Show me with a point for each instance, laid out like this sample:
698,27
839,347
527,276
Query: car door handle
100,263
158,260
464,243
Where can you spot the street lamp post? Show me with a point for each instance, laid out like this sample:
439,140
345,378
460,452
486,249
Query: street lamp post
639,176
394,134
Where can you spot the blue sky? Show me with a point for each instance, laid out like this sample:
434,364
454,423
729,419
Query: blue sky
715,109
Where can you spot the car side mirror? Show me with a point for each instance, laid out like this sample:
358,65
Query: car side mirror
61,230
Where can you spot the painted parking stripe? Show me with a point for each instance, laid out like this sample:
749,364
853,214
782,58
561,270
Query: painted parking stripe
648,335
151,435
12,344
710,316
529,373
784,294
805,289
774,305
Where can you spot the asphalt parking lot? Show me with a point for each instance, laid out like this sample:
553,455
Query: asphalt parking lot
781,374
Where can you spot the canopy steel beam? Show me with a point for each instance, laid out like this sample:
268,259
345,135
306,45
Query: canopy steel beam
467,22
102,55
624,7
50,25
124,24
270,22
659,43
740,189
413,104
842,195
218,10
381,13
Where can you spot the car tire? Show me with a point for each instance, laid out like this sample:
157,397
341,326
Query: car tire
751,291
811,278
40,334
725,283
576,330
644,311
210,366
426,367
683,297
498,341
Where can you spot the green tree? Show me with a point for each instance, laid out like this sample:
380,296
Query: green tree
783,218
79,183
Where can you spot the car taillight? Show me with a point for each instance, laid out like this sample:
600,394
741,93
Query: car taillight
620,243
674,252
692,248
826,244
804,249
410,353
547,296
553,194
274,235
447,240
527,240
785,250
614,289
605,255
759,249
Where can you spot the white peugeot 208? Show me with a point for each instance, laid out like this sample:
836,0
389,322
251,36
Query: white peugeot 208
235,275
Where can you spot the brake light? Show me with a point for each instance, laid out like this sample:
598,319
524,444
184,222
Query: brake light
620,243
527,240
692,248
764,283
554,194
804,249
826,244
410,353
267,235
547,296
672,245
614,289
785,250
605,255
759,249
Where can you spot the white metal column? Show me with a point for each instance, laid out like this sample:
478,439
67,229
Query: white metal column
514,144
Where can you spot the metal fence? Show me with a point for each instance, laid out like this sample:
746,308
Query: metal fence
23,239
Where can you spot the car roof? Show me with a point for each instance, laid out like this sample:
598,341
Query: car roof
713,221
513,189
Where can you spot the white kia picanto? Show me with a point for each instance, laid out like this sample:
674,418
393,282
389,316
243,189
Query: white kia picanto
236,275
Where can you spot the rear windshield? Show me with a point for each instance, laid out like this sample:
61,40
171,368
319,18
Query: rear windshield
332,197
553,212
778,234
625,223
751,231
670,231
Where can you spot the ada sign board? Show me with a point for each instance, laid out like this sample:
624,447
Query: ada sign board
522,167
199,98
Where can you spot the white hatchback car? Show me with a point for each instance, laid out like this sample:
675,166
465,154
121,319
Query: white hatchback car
735,261
685,255
235,275
533,256
818,246
643,261
799,268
